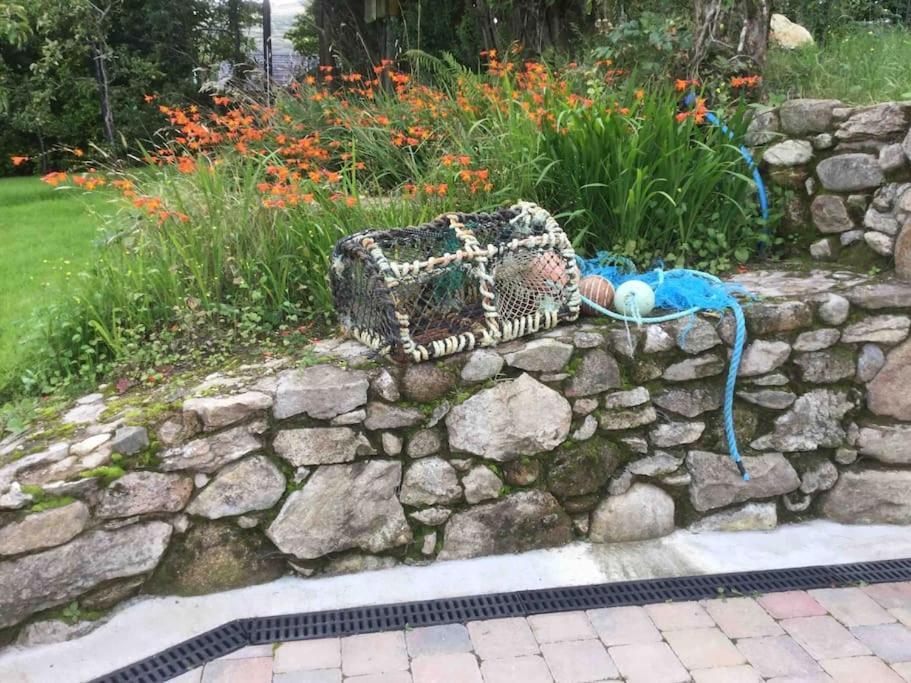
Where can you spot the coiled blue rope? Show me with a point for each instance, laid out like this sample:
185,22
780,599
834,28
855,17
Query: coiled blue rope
687,291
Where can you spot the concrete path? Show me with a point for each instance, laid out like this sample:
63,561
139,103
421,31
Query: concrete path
149,625
845,635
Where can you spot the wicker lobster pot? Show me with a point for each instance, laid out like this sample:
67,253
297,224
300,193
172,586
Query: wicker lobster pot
458,282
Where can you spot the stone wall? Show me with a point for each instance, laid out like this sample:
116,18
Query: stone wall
850,168
334,462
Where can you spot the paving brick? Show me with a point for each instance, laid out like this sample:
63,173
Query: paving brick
248,670
623,625
890,595
460,667
502,638
311,676
741,618
250,651
438,640
860,670
676,616
703,648
903,669
851,606
902,614
304,655
791,604
555,628
727,674
777,656
648,663
820,677
891,642
388,677
527,669
373,653
578,661
823,637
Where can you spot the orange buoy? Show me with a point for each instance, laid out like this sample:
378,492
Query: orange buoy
598,290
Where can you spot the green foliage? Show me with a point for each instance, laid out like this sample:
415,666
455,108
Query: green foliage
44,502
649,187
862,65
107,473
49,92
654,42
238,272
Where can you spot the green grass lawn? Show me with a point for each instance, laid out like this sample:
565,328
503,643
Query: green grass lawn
863,65
47,236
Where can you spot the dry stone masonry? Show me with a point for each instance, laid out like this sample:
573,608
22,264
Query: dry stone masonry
339,462
850,171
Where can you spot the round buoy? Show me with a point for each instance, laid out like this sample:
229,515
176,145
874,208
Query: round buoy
545,268
634,298
598,290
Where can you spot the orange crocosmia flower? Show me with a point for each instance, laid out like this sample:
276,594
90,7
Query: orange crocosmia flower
640,94
241,147
682,116
315,176
54,178
186,164
333,177
308,197
310,80
680,85
464,160
223,101
429,189
18,161
442,188
78,152
351,201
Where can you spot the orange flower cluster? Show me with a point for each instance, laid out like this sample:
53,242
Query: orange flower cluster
89,182
18,161
476,180
698,112
748,82
428,189
683,84
55,178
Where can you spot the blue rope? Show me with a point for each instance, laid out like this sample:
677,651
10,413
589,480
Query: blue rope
674,289
745,153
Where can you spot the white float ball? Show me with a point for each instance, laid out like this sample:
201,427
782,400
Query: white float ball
634,298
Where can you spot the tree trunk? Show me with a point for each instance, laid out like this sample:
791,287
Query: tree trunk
754,36
267,49
486,25
235,31
104,92
325,56
706,14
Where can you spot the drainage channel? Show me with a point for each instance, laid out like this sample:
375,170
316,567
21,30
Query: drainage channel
234,635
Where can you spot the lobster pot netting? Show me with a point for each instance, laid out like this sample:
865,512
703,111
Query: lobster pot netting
460,281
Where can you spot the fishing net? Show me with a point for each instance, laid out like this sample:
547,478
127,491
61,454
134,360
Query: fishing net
457,282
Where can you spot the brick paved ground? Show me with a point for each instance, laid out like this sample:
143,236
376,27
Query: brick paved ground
845,635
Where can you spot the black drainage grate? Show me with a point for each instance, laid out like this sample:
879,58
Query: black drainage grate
344,622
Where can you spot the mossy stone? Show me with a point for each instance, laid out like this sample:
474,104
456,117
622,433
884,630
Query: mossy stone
582,469
213,557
